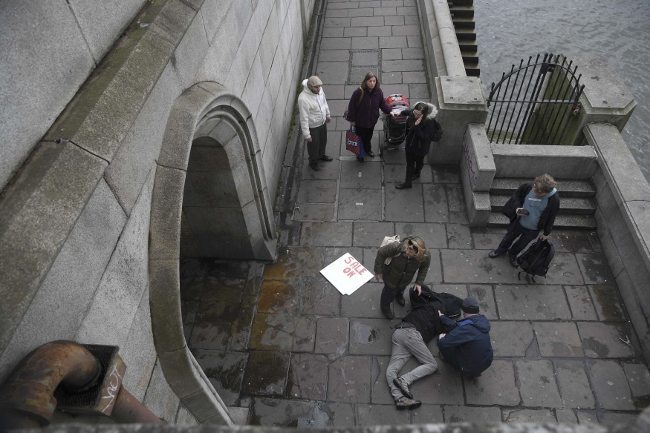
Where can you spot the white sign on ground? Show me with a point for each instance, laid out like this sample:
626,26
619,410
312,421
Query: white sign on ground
346,273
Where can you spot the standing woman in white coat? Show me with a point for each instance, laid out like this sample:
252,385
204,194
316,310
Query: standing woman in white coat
314,116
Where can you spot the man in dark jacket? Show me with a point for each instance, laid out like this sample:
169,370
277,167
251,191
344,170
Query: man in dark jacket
396,264
466,346
532,210
410,339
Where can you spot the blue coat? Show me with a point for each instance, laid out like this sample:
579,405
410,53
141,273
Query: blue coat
467,345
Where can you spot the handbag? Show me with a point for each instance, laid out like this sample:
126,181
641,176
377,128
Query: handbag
353,142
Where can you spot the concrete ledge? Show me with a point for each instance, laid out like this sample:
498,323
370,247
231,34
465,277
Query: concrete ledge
568,162
478,207
442,40
477,164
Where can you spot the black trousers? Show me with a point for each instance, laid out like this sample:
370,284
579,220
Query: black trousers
388,295
316,147
366,136
515,230
414,164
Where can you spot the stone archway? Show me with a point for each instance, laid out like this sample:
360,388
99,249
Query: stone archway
211,133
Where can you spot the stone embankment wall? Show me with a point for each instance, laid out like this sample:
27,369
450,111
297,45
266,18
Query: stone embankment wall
86,106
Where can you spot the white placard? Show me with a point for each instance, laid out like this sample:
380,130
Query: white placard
347,274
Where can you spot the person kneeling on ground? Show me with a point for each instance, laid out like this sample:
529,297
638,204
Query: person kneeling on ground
397,263
410,339
466,346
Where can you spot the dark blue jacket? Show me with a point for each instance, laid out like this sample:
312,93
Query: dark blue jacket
467,344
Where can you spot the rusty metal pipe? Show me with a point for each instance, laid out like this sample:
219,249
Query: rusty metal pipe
27,396
128,409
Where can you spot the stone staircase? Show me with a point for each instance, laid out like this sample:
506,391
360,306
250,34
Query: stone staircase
577,205
462,15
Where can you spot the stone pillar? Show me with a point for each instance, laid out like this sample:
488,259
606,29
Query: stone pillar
460,103
605,99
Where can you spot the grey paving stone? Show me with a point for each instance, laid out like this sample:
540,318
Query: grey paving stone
349,379
369,255
580,303
317,212
594,268
356,75
574,385
398,65
379,31
617,418
385,10
349,32
610,385
379,391
458,236
370,234
402,89
355,175
304,335
364,302
558,339
528,415
404,204
392,42
443,387
413,53
435,268
391,78
266,373
607,302
332,253
335,22
395,20
340,414
566,416
391,53
511,338
360,204
602,340
427,414
478,415
213,334
485,297
326,234
433,235
418,77
308,377
414,41
472,266
436,208
394,173
334,72
486,238
225,371
365,43
571,241
272,332
495,386
587,417
374,414
280,412
406,30
419,92
279,296
363,58
537,384
459,290
639,379
531,302
333,55
370,336
336,32
332,335
563,270
366,21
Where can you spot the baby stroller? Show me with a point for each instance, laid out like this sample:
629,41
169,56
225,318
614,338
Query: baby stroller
395,127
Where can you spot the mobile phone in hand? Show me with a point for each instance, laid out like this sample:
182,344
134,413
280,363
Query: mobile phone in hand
521,211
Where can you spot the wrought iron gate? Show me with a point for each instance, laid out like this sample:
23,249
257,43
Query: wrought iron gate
534,102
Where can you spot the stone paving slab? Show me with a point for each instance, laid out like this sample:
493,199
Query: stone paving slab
485,297
304,336
314,212
332,336
370,337
574,384
349,379
308,377
580,303
433,235
529,415
443,387
359,204
340,414
594,268
497,385
319,297
279,412
638,378
382,415
478,415
537,383
427,414
317,191
405,204
225,371
364,302
356,175
379,391
610,385
266,373
336,234
511,338
603,340
370,234
531,302
558,339
607,302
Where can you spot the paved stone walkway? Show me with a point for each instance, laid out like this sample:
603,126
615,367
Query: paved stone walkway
282,341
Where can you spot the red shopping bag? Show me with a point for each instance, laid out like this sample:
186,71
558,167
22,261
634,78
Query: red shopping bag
353,143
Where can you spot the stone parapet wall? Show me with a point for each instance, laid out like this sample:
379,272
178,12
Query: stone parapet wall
623,215
74,221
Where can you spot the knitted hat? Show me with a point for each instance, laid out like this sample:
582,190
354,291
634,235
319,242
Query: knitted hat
470,305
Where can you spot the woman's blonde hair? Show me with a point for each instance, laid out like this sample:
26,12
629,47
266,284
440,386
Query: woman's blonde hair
419,243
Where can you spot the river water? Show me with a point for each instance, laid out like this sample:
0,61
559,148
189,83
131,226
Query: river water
616,33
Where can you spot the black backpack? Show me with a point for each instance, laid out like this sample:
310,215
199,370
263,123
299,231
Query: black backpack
447,303
536,259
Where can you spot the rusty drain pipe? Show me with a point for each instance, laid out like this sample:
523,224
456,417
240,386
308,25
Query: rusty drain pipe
27,397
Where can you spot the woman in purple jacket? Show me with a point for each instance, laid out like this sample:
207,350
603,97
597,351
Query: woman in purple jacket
363,110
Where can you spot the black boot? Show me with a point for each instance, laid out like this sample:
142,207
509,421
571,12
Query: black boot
403,185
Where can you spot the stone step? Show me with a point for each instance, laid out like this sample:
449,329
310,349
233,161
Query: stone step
568,205
566,187
580,222
473,72
467,45
466,34
464,23
455,3
461,12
